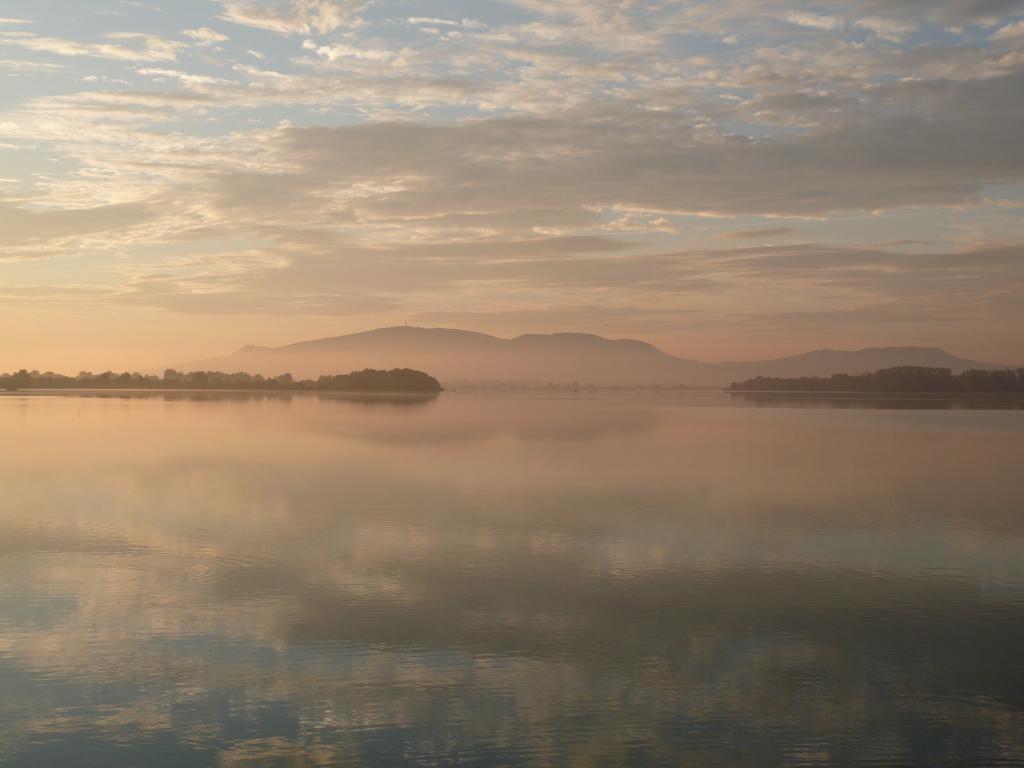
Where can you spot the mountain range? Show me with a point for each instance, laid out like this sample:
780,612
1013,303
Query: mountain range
463,357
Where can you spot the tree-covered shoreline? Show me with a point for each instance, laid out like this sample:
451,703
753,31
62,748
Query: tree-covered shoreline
908,379
397,380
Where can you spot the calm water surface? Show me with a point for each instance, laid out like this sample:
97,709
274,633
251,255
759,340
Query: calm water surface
484,580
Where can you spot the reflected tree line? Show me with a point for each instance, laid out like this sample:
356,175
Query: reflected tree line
907,378
369,380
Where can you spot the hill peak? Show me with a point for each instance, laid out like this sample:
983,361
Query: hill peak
456,355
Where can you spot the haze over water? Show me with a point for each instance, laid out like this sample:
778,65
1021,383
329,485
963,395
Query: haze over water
508,580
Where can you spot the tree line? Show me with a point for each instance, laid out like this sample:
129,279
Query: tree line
369,380
906,378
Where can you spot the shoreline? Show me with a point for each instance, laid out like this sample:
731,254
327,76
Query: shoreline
56,391
888,395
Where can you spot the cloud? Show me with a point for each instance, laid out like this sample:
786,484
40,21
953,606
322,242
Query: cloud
813,20
15,22
55,294
425,21
891,30
899,156
1010,31
145,48
184,77
26,234
941,11
297,17
634,223
340,51
756,234
205,35
21,65
538,157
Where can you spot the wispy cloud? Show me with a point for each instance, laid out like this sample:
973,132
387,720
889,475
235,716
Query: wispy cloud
427,21
758,234
1012,31
136,47
294,17
814,20
345,159
892,30
205,35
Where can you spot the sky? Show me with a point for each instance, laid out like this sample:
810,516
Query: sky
728,179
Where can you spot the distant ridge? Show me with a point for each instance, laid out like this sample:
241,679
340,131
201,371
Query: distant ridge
456,356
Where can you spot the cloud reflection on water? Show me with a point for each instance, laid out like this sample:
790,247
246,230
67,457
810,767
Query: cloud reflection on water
517,581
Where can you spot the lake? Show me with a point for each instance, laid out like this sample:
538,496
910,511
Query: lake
607,579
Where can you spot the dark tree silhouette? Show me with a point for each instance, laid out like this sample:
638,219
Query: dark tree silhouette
399,380
905,378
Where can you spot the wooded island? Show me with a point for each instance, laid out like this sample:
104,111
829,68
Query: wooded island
397,380
908,379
